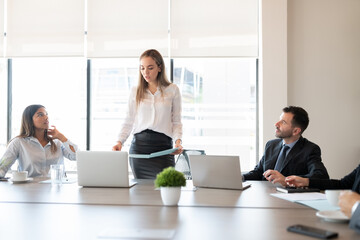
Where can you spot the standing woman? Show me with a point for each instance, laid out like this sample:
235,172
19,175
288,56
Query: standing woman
154,117
37,146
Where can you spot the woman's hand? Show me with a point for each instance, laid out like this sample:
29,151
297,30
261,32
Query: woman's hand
117,147
53,133
178,145
295,181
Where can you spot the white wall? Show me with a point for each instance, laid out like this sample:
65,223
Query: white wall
323,75
273,67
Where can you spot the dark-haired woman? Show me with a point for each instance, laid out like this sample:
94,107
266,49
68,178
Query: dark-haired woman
154,117
37,146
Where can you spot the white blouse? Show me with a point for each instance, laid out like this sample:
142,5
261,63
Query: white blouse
157,112
33,157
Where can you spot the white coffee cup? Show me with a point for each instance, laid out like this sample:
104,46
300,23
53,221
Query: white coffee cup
333,196
20,175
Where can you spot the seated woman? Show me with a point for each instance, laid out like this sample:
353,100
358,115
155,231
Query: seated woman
350,181
37,146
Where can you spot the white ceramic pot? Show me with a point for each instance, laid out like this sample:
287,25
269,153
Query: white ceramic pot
170,195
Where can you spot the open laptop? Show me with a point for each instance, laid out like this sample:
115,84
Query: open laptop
217,172
103,169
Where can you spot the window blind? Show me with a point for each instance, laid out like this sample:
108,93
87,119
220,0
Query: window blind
126,28
203,28
117,28
45,28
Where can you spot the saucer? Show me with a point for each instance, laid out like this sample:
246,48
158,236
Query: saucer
21,181
332,216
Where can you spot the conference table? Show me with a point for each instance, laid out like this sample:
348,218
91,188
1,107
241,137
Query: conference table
37,210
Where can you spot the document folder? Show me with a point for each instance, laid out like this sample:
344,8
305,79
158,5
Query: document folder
155,154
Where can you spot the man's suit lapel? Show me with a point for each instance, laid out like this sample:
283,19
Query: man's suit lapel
356,185
297,148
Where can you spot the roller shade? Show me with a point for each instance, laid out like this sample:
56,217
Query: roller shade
119,28
45,28
203,28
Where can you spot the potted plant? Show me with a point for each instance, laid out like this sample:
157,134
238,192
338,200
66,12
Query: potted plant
170,182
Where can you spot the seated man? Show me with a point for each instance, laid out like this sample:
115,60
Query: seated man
350,205
348,200
291,154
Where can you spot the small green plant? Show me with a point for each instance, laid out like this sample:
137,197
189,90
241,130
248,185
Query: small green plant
169,177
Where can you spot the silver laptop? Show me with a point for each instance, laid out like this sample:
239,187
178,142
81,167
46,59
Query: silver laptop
217,172
103,169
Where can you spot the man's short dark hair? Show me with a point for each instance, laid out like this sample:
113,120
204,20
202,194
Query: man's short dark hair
300,118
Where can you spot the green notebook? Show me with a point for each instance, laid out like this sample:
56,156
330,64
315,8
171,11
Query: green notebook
155,154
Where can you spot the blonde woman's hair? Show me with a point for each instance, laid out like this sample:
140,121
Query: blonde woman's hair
162,79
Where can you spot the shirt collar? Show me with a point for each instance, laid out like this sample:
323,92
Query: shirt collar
34,139
155,93
291,145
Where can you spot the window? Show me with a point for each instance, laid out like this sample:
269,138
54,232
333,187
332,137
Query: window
218,94
218,97
112,80
219,106
57,83
215,68
3,106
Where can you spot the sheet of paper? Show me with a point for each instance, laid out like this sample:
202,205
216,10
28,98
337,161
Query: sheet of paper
293,197
321,205
115,233
64,181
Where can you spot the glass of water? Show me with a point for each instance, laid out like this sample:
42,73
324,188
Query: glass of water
57,173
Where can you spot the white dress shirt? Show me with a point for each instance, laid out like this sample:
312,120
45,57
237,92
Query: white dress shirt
157,112
354,207
290,145
33,157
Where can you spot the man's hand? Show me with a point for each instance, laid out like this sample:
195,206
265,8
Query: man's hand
295,181
347,199
274,176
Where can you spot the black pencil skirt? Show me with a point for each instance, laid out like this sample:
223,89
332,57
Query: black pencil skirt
147,142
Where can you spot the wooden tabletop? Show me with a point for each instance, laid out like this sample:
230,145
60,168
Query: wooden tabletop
71,221
143,194
73,212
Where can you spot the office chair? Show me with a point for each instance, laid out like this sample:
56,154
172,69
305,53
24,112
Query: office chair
182,163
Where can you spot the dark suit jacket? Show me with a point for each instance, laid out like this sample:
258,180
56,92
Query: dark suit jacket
303,160
355,220
350,181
